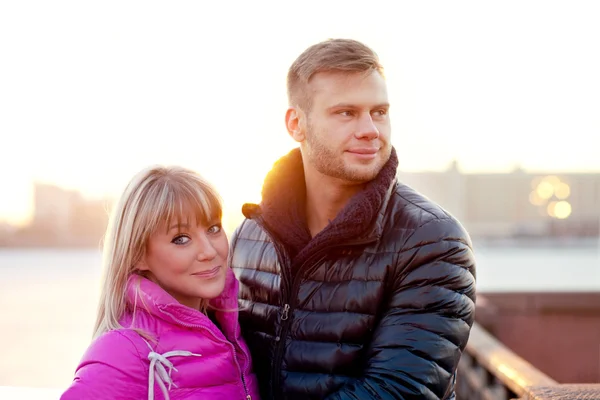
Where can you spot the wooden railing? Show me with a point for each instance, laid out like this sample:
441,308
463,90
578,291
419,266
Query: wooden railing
489,370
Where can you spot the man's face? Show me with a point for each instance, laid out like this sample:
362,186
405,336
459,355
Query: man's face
347,130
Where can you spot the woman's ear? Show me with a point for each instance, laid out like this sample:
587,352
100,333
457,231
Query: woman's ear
141,265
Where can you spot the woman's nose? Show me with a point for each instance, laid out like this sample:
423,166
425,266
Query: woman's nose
206,251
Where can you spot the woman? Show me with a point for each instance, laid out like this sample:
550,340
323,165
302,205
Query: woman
167,320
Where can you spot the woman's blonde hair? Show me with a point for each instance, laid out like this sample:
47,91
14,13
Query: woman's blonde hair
155,196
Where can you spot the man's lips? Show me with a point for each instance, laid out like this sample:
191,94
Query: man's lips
363,150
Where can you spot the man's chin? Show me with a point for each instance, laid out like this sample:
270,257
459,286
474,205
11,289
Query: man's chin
364,172
361,174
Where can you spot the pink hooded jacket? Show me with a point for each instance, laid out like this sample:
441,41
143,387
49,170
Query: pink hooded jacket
190,359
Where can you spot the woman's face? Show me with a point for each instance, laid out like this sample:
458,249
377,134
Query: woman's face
187,260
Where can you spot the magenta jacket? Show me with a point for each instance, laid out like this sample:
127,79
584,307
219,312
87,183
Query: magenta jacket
190,359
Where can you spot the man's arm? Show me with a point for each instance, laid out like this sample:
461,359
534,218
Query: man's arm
417,344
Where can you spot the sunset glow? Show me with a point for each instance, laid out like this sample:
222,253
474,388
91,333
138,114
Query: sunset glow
89,95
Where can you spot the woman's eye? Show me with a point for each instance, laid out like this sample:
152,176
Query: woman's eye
215,229
181,239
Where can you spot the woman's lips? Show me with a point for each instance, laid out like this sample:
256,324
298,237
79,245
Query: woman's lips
210,273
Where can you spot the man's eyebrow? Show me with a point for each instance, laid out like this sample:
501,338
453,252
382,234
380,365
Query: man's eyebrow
354,106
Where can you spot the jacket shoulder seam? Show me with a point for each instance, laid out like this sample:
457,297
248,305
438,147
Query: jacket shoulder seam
436,216
140,358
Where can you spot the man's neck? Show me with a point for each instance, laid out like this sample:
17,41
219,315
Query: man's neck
325,198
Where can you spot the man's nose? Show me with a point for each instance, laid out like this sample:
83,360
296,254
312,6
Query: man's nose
366,128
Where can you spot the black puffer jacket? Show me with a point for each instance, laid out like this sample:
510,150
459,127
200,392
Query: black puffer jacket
377,306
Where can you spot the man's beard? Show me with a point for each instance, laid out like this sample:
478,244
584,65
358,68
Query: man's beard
329,163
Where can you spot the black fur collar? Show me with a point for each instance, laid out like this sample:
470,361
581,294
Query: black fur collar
284,213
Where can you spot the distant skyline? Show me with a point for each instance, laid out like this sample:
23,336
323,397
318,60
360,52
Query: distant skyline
92,92
232,210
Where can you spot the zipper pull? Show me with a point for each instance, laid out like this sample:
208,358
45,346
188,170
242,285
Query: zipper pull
286,309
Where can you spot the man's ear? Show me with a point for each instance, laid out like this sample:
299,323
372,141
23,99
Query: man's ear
295,122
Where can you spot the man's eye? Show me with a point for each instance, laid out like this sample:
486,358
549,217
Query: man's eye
181,239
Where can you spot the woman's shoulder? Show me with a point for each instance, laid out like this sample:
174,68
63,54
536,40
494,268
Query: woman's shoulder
112,367
118,348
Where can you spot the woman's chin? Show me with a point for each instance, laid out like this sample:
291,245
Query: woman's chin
212,290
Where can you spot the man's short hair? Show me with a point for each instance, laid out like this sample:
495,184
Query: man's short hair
332,55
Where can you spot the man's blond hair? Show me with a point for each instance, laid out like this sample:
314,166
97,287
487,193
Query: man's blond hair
332,55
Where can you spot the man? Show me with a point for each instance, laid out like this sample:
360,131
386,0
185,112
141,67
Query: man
353,285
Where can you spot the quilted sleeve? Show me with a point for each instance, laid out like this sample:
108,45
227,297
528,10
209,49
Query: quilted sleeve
111,368
419,340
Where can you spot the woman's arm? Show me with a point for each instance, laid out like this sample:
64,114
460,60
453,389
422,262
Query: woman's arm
111,368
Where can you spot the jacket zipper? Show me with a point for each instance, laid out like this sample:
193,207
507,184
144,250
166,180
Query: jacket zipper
285,326
248,360
206,328
291,304
289,296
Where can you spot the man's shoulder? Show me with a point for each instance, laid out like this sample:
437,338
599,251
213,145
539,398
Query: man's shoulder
415,213
415,206
248,230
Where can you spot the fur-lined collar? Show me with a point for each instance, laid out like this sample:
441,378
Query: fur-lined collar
284,213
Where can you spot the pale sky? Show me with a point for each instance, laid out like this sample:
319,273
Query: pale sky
90,92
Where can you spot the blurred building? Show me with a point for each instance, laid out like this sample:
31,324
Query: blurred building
65,217
52,209
6,232
490,206
516,204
